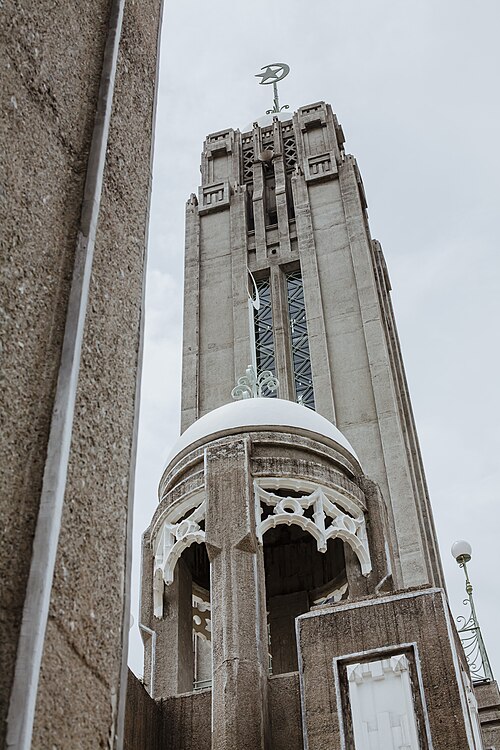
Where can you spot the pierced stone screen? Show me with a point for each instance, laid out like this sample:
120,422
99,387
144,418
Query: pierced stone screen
301,360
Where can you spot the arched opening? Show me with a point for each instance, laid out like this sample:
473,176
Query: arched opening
196,560
191,598
297,576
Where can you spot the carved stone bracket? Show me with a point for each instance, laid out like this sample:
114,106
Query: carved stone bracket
333,516
172,538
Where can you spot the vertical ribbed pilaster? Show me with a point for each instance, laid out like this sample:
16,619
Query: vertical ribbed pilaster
191,325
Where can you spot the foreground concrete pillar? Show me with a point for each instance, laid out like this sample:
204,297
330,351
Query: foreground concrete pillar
174,646
239,692
78,151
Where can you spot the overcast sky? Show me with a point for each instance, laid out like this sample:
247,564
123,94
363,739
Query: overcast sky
415,86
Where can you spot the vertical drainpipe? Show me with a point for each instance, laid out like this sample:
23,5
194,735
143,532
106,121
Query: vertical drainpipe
37,600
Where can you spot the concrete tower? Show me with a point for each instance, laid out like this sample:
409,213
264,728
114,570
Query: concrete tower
292,590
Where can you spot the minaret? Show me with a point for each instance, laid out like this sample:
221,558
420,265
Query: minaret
286,203
292,588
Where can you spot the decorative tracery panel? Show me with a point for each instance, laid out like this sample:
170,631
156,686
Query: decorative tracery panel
173,536
322,512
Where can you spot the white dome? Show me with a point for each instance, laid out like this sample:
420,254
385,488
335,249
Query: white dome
260,413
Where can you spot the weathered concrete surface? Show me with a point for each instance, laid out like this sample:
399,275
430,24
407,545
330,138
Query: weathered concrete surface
239,632
89,587
174,668
284,707
420,617
283,609
488,703
183,722
186,721
143,719
49,91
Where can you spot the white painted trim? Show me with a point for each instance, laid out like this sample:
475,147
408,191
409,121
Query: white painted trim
176,510
370,603
349,500
425,710
378,678
346,517
369,655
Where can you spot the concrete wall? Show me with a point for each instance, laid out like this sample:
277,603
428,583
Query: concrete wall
216,341
186,721
416,621
49,96
488,700
284,709
48,100
183,722
144,719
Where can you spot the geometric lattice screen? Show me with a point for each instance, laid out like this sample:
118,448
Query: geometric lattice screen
301,359
264,337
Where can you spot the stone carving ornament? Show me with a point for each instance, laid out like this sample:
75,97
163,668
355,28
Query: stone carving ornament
334,516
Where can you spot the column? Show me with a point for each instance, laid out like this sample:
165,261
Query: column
239,631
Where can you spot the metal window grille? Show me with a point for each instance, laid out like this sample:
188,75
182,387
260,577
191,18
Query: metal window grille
264,336
301,359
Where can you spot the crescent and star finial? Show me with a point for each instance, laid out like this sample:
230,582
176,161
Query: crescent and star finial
274,73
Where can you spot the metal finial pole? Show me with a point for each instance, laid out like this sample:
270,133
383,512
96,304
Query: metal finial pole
276,101
272,74
471,635
469,630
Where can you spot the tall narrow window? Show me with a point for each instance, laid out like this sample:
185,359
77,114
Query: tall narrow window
289,195
264,337
247,159
270,201
290,154
271,212
301,359
250,213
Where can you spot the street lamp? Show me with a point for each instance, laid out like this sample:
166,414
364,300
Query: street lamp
469,630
